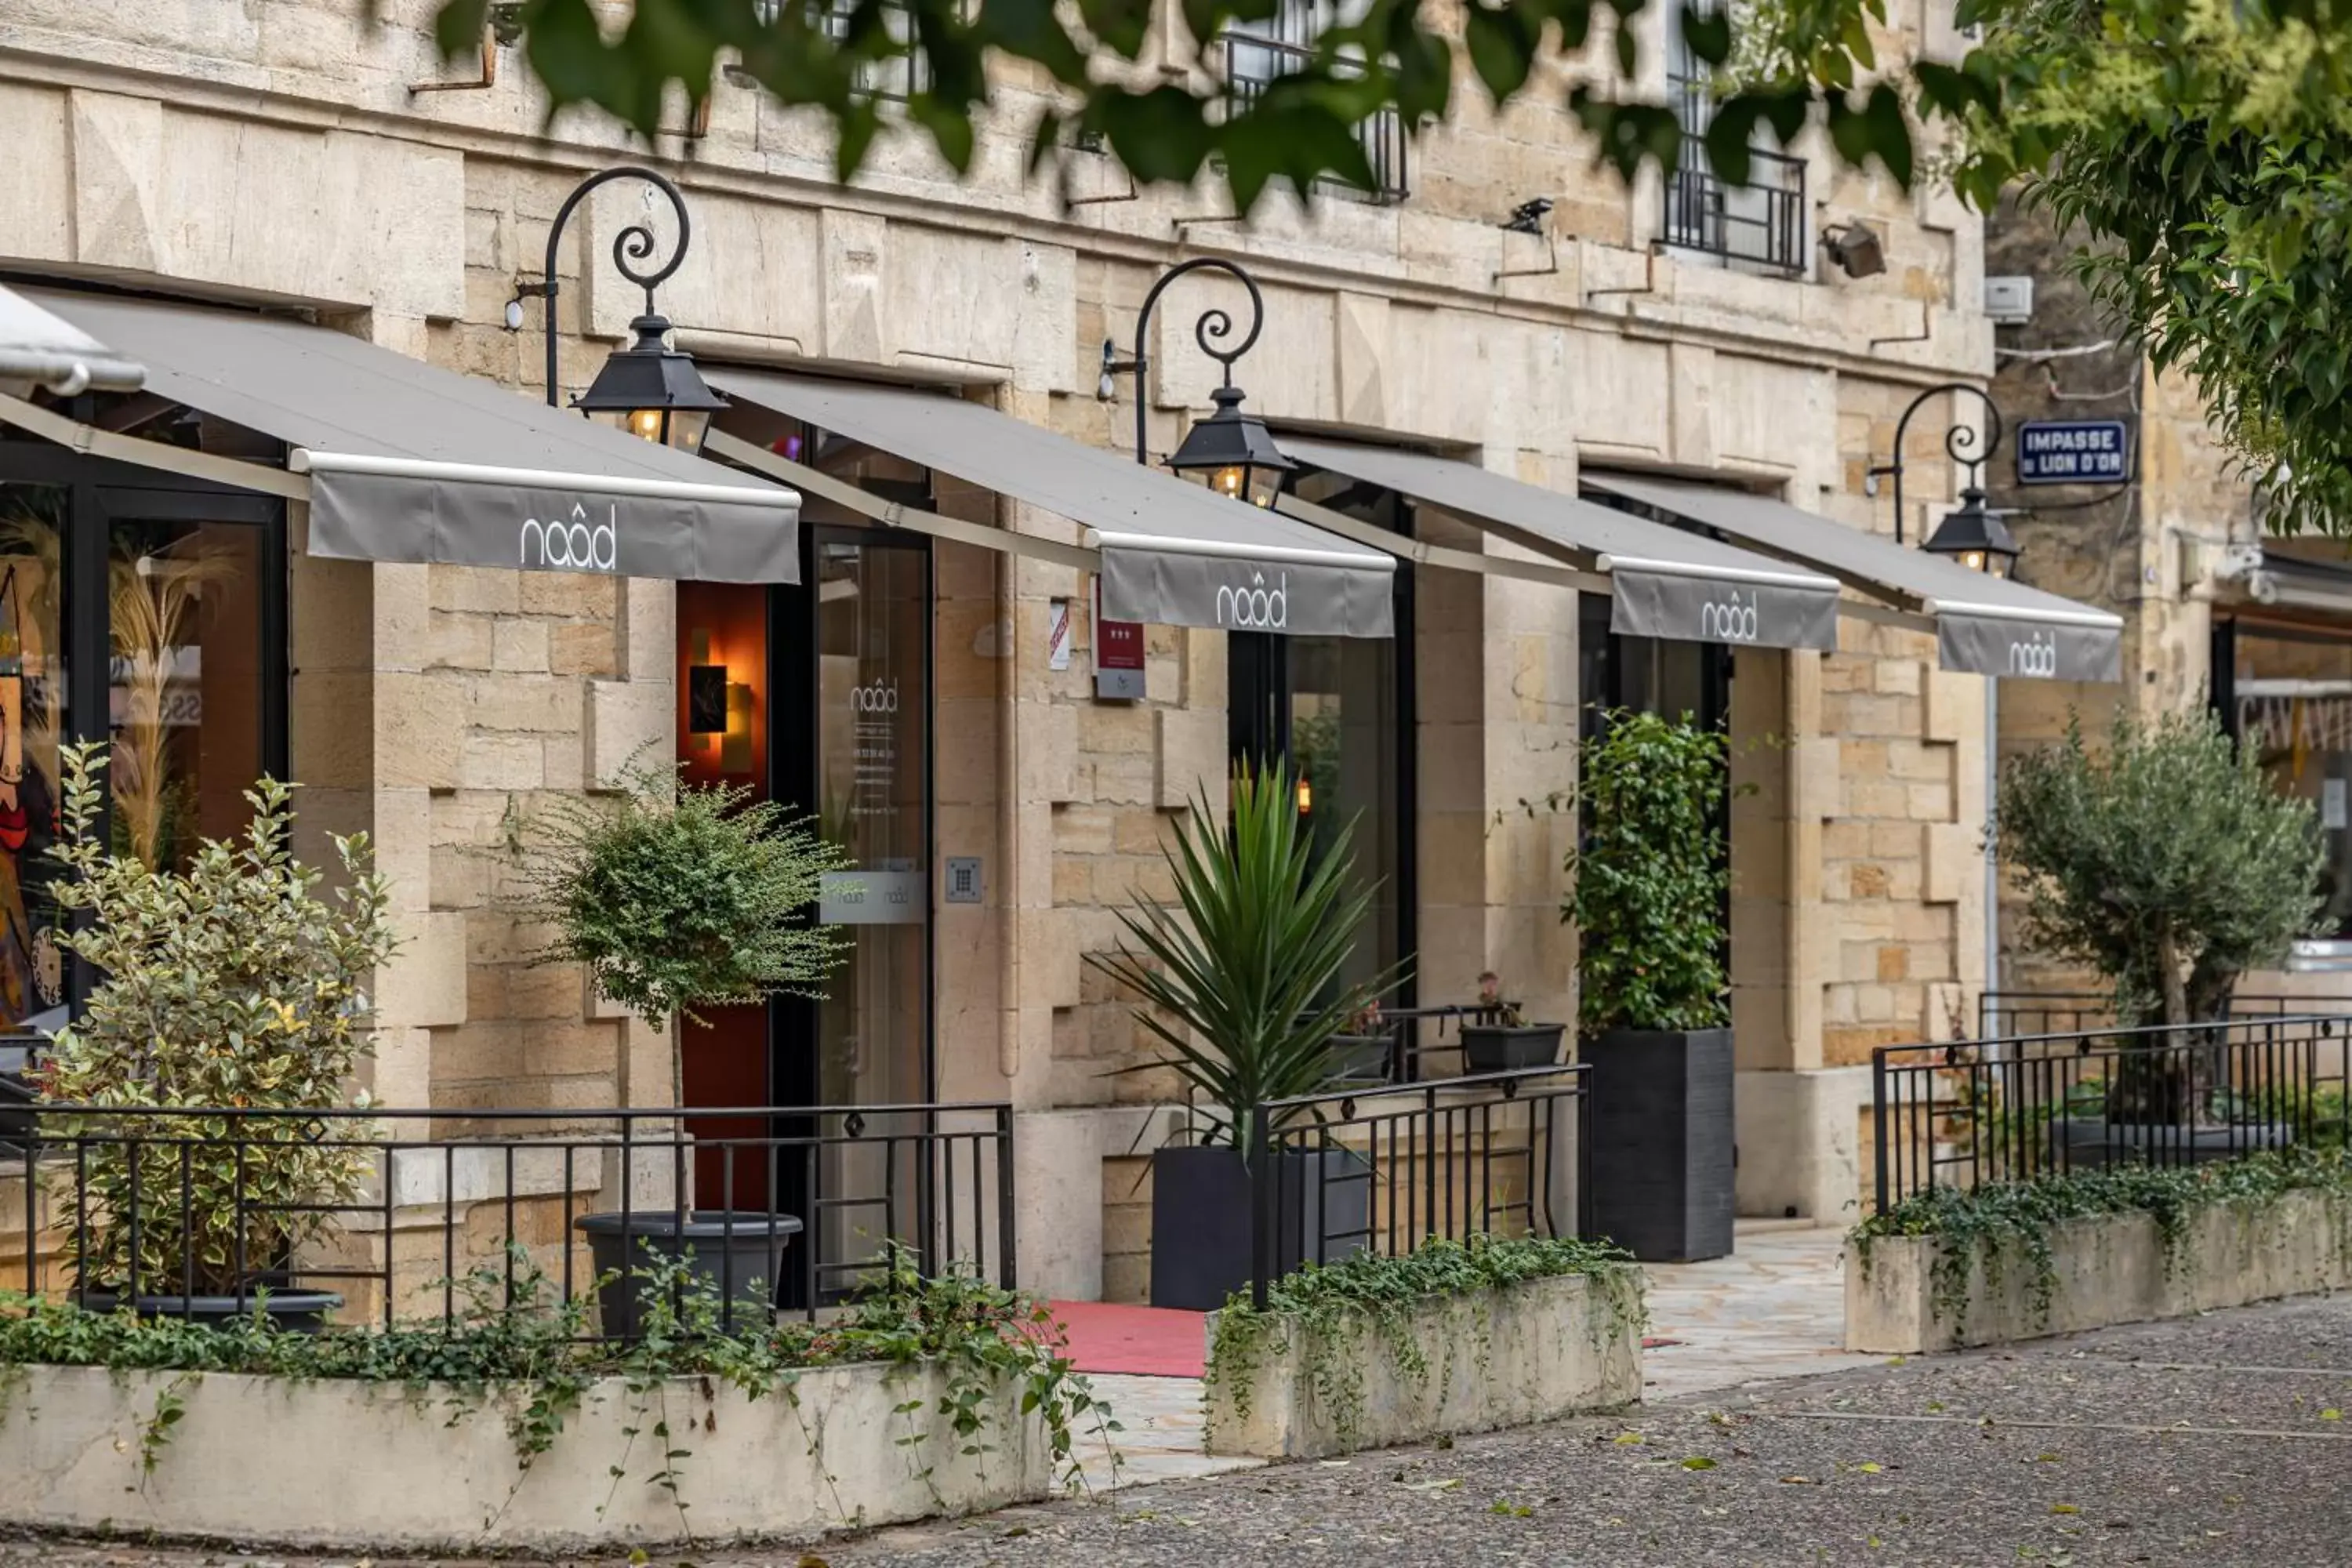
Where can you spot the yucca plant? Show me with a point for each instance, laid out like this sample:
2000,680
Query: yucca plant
1240,978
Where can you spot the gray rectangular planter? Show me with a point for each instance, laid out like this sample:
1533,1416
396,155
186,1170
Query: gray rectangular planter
1501,1047
1662,1141
1201,1217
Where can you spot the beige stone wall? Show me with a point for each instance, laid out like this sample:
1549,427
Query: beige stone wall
276,155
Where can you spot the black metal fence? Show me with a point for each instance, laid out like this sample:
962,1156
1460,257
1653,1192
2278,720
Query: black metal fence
1384,1169
2000,1013
413,1216
2008,1109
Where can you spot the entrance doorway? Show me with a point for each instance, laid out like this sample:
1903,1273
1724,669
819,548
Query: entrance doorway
819,697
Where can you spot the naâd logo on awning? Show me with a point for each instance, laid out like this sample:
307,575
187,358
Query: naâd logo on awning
2037,654
576,545
1728,619
1256,607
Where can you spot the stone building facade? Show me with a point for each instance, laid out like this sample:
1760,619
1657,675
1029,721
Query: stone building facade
282,158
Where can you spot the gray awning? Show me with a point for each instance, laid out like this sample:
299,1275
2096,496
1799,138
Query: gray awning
1172,552
42,348
1984,625
1665,582
412,464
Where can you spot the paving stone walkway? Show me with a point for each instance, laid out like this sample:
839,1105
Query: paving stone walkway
1774,1308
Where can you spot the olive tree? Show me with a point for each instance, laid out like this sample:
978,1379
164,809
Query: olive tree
2164,861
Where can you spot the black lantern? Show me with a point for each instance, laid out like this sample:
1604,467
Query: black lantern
649,389
652,391
1231,452
1975,536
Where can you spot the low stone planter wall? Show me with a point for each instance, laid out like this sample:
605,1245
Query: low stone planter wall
2109,1271
377,1465
1524,1353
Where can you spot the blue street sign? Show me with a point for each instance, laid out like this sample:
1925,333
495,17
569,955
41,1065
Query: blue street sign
2073,452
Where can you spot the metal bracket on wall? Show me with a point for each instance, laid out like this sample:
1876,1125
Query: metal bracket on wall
1551,260
502,27
1649,279
1927,330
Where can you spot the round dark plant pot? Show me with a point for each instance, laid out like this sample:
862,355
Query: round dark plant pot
740,1252
1495,1048
290,1311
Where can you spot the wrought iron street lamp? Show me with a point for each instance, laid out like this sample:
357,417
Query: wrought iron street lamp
1972,534
1230,451
649,389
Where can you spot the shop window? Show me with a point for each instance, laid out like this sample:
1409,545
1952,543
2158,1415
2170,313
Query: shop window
146,612
2288,693
32,719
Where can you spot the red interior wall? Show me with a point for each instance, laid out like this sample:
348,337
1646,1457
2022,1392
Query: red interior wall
726,1055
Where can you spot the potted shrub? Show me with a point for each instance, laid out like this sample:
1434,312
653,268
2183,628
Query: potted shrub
1240,985
1502,1040
232,984
676,895
2168,918
1649,880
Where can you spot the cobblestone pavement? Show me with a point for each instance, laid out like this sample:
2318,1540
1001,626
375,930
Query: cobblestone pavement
2221,1440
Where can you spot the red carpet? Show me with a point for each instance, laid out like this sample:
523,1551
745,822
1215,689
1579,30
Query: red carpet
1153,1342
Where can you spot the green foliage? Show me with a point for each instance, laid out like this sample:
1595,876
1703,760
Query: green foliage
1647,884
678,895
2203,146
1990,1223
2165,862
1249,958
1102,58
1335,1310
512,1332
231,985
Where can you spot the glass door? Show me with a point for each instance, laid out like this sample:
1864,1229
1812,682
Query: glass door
872,602
855,658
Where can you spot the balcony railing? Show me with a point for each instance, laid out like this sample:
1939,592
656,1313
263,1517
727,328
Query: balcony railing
1254,63
1761,224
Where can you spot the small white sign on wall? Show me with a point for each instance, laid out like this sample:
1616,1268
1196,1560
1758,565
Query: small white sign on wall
2335,798
1057,634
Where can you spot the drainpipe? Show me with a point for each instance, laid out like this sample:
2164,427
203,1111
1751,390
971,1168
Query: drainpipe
1793,762
1008,821
1993,852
